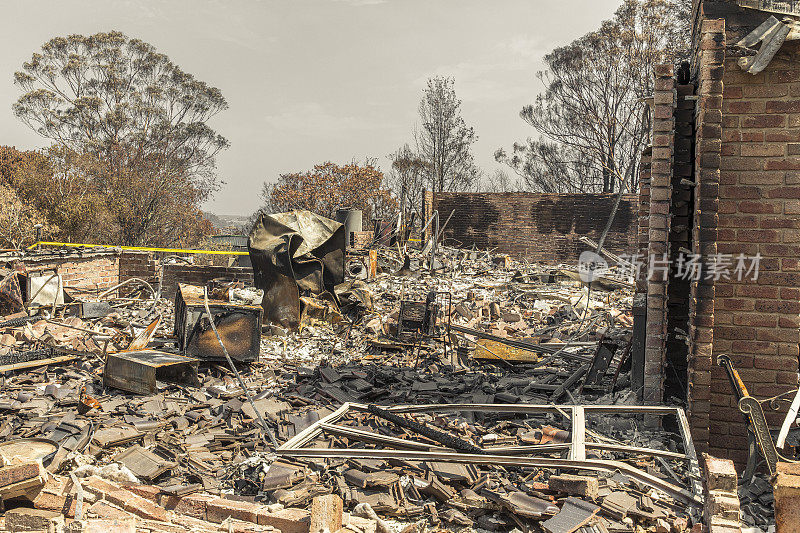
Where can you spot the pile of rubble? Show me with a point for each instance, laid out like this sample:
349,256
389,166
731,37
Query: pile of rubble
496,396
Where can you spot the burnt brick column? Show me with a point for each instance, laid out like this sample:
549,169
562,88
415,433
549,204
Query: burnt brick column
644,217
680,242
708,122
659,226
427,213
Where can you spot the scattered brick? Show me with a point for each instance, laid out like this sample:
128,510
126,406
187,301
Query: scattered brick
326,514
584,486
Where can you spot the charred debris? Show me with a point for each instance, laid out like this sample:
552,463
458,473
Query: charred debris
381,388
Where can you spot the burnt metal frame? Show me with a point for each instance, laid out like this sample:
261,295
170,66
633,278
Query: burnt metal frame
576,449
186,331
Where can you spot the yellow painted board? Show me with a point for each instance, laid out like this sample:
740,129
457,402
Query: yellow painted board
489,349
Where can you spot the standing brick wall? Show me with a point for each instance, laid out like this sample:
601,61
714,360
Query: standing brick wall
362,239
93,272
427,213
659,227
708,119
99,271
142,265
538,227
756,322
644,216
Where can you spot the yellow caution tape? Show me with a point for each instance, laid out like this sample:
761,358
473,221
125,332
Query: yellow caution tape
136,248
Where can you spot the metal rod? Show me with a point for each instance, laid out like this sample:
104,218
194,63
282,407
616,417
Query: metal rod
238,376
527,408
434,434
577,451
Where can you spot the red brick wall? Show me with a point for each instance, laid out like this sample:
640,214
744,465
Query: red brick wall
147,266
427,213
93,272
708,120
659,227
140,265
644,216
539,227
362,239
756,322
97,272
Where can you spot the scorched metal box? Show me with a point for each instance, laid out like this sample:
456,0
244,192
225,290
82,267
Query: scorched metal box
238,325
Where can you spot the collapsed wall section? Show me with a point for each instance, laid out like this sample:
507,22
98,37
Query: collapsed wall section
92,272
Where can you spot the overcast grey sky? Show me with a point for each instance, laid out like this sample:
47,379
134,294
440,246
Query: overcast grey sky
315,80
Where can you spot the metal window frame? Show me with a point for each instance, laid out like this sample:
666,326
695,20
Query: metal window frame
511,456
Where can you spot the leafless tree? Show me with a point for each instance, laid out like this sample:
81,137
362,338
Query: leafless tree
407,178
444,141
499,181
549,167
591,119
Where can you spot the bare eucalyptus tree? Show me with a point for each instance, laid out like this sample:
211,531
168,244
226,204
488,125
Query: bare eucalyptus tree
445,140
592,120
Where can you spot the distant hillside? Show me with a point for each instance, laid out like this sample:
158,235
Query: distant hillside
227,222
